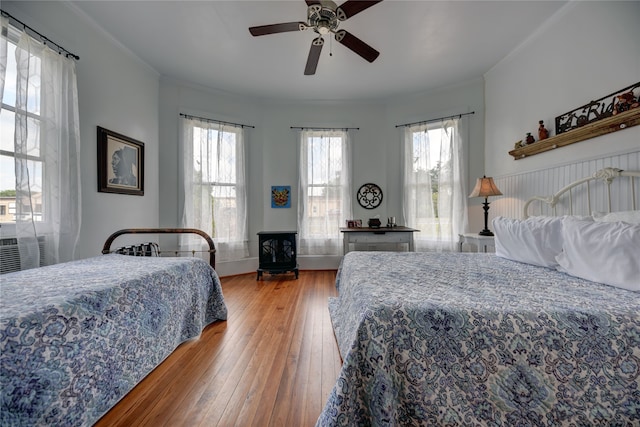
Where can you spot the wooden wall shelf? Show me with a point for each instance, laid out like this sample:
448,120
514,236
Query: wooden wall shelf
611,124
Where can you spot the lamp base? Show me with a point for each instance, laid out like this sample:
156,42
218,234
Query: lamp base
486,231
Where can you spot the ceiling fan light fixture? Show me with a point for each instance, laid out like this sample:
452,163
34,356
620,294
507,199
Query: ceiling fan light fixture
323,27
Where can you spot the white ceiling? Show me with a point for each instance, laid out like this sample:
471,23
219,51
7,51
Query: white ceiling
423,45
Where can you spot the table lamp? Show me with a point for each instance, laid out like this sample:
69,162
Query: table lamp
485,187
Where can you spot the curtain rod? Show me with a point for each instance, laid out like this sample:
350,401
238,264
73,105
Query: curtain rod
435,120
307,128
189,116
43,38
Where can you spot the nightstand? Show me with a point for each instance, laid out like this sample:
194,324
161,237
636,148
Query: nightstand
480,242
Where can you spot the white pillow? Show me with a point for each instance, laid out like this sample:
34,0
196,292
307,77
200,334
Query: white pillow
604,252
631,217
536,240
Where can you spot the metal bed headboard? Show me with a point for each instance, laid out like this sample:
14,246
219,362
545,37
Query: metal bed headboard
584,186
212,249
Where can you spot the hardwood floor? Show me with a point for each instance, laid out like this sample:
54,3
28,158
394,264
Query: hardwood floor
272,363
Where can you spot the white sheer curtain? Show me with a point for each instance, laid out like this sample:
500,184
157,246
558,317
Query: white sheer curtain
46,147
435,196
214,186
324,202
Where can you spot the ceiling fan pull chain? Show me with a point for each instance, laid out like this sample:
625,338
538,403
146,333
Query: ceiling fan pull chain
330,46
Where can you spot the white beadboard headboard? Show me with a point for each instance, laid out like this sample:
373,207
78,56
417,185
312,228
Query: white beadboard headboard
518,188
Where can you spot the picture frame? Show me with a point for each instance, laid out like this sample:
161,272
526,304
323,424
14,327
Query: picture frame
281,196
120,163
354,223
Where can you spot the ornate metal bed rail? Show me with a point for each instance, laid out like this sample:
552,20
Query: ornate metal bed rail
212,250
606,175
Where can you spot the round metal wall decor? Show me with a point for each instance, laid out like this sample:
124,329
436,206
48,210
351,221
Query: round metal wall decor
369,196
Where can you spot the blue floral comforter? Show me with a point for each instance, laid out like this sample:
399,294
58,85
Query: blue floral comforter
76,337
462,339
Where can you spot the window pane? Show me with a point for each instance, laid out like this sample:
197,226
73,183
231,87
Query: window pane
33,82
33,205
7,190
9,95
33,137
214,155
324,160
225,209
7,173
7,125
227,161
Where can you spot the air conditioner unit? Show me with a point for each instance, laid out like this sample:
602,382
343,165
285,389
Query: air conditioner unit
10,255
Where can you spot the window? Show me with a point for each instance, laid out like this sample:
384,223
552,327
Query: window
32,204
325,190
215,193
40,149
434,190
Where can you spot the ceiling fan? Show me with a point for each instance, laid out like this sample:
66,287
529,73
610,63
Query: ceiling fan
324,17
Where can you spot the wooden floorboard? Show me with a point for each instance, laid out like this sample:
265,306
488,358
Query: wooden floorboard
273,362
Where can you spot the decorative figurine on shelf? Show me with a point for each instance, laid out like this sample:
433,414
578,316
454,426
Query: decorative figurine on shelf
530,139
543,133
625,102
518,145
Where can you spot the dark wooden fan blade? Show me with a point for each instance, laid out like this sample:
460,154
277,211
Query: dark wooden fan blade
263,30
357,45
312,2
314,56
352,7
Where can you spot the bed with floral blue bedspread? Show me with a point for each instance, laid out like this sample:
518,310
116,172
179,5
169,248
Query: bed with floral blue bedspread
465,339
76,337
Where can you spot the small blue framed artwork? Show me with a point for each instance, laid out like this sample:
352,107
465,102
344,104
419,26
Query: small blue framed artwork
281,196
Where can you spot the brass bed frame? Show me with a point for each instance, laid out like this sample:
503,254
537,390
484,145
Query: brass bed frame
106,249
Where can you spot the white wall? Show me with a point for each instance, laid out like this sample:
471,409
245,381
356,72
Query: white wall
585,52
115,91
272,148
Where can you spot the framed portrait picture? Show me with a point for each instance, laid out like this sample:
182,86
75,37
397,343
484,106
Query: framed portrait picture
281,196
120,163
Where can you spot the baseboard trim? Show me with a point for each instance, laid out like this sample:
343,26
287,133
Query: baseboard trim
305,262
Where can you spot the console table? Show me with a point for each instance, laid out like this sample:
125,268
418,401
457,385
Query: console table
277,252
378,235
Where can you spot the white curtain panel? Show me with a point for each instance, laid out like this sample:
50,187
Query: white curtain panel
47,150
435,196
215,193
324,202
